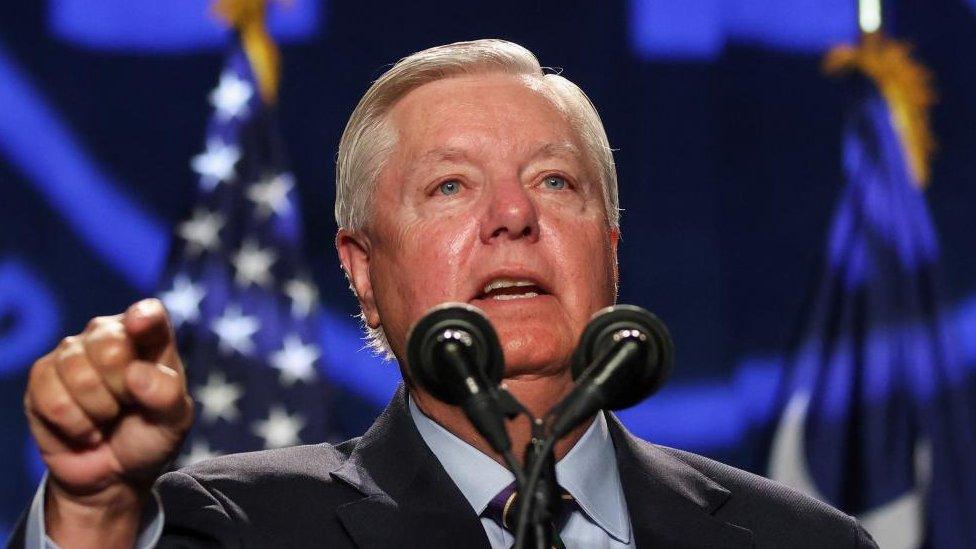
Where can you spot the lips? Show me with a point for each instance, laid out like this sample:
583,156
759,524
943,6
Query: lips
506,287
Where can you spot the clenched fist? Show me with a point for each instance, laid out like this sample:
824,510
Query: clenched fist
108,408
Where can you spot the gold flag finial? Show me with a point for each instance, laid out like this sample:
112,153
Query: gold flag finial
904,83
248,17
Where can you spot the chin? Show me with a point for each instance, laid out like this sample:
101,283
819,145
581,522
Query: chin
535,352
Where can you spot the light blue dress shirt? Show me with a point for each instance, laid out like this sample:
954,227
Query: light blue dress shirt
588,472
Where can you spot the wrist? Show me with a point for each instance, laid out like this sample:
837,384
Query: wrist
107,519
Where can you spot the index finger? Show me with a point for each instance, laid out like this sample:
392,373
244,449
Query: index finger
148,326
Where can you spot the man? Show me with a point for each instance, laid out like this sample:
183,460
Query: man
465,174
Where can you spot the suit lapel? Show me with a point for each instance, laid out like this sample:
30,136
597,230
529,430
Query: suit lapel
408,500
670,503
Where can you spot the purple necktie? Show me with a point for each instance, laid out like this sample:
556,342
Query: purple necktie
501,509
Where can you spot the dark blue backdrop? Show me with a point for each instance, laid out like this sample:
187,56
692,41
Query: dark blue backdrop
728,154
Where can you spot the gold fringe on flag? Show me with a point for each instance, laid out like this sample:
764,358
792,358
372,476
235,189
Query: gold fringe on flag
905,85
248,17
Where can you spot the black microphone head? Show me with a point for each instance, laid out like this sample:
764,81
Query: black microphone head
647,375
467,325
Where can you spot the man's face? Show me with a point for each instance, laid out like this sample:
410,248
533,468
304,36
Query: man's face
487,199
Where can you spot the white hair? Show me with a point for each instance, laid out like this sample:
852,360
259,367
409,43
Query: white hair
368,139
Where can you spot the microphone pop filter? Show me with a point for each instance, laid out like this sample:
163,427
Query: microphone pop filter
647,376
477,337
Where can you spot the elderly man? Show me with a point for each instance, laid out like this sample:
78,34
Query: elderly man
465,174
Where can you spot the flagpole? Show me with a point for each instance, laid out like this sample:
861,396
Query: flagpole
869,16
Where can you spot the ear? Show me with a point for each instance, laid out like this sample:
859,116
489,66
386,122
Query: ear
354,248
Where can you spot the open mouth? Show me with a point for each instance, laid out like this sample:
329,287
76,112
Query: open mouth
505,289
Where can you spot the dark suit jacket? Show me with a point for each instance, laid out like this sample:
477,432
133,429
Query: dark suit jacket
387,489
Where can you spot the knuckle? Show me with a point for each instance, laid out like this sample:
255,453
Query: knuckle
67,342
96,322
69,353
39,377
33,377
109,354
58,409
108,347
63,413
79,376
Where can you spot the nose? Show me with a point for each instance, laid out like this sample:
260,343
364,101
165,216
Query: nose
510,214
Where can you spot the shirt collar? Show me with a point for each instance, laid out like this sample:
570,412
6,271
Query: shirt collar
478,476
588,472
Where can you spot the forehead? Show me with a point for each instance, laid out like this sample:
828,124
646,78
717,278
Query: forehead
461,114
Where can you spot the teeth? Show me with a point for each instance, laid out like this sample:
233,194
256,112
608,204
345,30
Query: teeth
507,283
505,297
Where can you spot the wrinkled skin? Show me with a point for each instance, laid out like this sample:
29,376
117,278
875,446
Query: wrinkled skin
108,408
487,180
499,139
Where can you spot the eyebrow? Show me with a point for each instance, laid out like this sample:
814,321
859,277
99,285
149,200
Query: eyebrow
443,154
438,154
561,148
454,154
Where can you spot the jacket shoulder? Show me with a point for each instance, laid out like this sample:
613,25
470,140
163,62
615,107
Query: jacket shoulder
778,515
272,465
269,496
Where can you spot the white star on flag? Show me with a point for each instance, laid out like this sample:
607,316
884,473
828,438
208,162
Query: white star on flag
183,301
295,360
199,451
270,195
235,330
303,296
201,231
231,95
216,164
219,398
253,265
280,429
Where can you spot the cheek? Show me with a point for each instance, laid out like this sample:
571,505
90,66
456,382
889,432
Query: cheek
421,265
438,252
585,257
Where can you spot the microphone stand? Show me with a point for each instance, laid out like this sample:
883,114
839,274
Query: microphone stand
540,501
454,352
537,500
536,505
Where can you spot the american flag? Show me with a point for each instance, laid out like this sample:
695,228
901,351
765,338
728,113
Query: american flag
241,300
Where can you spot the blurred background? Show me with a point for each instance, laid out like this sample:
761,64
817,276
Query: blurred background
734,152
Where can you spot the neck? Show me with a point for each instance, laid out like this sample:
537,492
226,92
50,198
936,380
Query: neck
537,393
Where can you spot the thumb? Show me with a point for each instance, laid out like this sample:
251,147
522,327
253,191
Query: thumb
159,390
147,324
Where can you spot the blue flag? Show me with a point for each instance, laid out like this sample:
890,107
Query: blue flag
241,299
876,418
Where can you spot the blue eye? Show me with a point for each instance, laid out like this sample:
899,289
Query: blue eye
555,183
448,188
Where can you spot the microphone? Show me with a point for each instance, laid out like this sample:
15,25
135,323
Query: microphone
625,355
453,353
